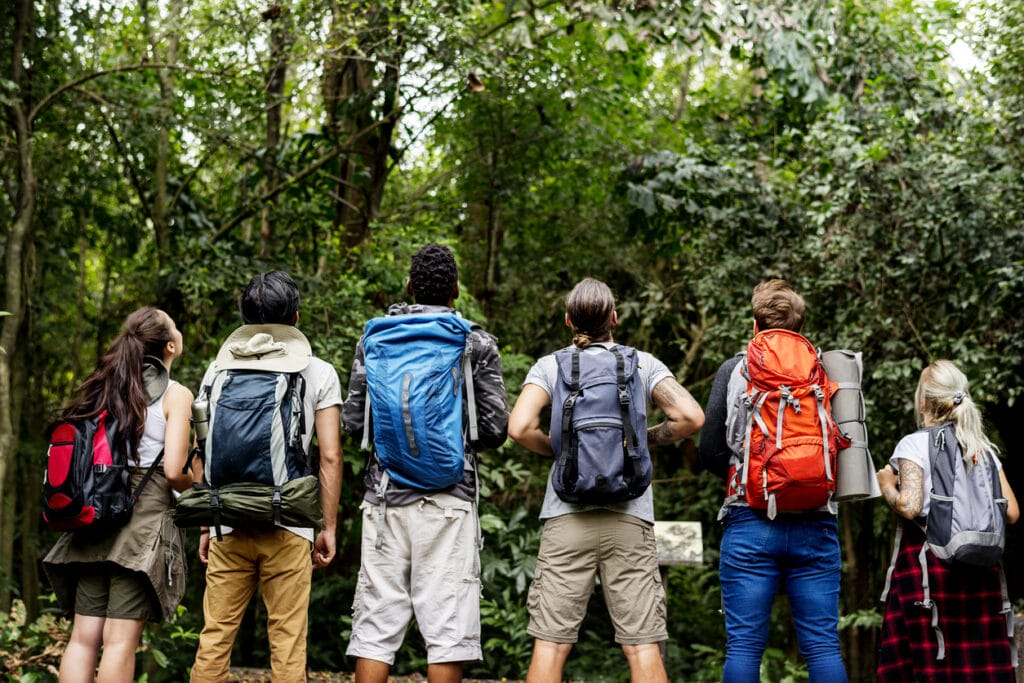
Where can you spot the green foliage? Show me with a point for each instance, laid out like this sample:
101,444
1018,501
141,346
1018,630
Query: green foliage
31,652
680,151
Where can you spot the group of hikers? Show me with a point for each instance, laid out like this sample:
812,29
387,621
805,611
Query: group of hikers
425,395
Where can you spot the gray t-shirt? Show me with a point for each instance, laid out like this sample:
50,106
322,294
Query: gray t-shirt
544,374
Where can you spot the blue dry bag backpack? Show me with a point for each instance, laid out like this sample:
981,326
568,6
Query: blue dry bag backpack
599,427
416,367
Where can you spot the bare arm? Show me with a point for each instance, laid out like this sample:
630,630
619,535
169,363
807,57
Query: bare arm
908,499
524,422
1012,509
177,411
683,415
328,434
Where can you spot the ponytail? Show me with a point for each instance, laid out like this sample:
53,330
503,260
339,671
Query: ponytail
590,308
117,384
943,394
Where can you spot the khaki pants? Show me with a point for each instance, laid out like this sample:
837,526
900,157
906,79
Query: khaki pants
278,562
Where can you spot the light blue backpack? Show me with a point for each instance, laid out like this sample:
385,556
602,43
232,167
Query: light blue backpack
416,367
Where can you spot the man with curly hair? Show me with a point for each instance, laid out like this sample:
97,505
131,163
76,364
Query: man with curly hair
420,548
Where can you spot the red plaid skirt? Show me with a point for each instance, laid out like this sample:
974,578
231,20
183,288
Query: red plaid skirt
969,601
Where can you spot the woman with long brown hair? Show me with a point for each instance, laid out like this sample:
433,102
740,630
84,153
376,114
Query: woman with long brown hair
115,581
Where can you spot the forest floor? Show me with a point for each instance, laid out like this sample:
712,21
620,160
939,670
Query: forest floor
241,675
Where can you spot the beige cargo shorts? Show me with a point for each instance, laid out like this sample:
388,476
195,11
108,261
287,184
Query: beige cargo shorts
577,548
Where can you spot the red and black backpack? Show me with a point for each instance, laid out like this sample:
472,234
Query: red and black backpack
87,483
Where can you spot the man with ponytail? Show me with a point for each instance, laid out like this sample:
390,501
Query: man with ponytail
945,620
615,539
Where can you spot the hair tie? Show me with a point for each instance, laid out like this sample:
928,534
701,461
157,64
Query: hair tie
958,398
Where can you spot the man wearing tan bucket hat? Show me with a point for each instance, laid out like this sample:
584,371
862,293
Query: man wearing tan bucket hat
275,559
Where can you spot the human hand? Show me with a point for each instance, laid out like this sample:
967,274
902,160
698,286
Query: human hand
887,482
204,546
887,478
324,548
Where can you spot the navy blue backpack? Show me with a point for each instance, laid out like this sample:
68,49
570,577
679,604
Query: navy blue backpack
599,427
416,368
256,428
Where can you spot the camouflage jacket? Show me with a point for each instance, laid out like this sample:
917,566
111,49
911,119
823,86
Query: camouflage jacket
491,404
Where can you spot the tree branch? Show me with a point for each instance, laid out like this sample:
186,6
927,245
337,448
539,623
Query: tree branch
70,85
126,158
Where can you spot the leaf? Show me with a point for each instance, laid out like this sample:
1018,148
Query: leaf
616,43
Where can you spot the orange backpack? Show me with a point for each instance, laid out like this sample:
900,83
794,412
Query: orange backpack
791,442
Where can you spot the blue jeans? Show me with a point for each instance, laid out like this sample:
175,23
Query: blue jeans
799,553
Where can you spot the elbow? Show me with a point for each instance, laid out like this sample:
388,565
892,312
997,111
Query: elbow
517,432
907,512
688,425
178,481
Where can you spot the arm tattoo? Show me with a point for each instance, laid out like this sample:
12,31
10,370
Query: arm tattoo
667,393
659,434
911,498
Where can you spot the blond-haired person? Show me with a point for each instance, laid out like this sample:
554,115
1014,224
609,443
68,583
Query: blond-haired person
968,598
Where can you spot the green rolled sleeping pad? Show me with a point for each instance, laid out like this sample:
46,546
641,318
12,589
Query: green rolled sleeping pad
247,504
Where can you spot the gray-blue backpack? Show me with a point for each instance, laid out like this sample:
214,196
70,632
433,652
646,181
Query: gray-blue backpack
599,426
967,515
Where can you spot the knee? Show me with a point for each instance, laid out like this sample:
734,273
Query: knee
642,651
545,648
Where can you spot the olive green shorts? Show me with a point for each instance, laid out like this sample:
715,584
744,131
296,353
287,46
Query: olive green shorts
577,548
116,593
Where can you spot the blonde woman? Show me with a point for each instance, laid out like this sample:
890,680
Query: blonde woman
968,598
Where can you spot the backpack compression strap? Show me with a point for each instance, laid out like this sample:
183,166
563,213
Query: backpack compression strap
627,422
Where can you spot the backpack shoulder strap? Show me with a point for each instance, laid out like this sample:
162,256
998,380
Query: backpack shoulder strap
467,374
146,477
570,400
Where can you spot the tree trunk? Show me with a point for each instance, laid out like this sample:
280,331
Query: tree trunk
17,235
9,505
495,235
30,414
362,135
275,79
160,212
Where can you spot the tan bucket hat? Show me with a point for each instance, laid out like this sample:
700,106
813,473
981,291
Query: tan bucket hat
279,348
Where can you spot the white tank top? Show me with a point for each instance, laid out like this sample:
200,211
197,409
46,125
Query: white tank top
153,435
